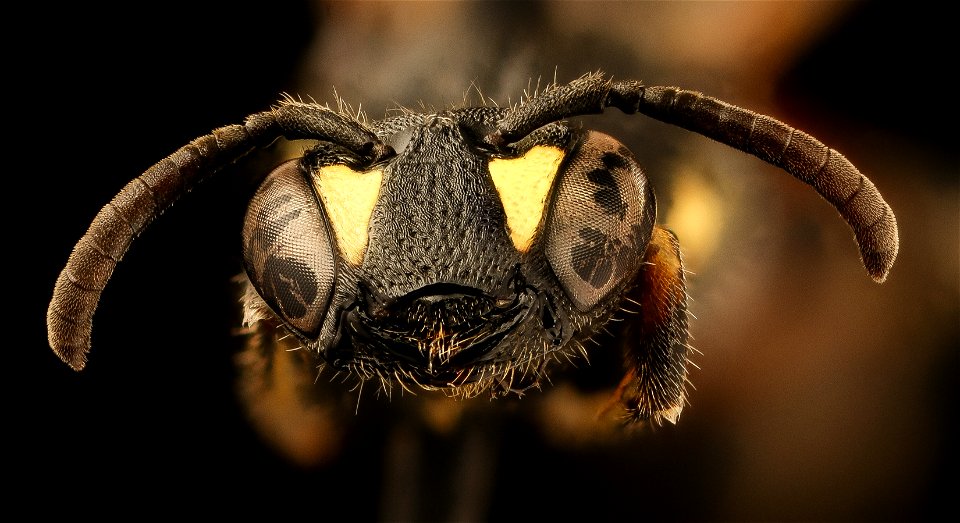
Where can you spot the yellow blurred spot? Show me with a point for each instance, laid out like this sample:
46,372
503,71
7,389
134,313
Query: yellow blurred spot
696,216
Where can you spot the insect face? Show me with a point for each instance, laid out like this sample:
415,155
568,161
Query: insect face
451,265
465,250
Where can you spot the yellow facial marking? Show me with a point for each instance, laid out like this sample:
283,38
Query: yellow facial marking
349,197
523,185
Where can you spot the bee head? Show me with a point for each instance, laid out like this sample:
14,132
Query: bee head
453,263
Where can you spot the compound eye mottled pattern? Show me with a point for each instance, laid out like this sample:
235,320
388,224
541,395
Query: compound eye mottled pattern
287,250
600,221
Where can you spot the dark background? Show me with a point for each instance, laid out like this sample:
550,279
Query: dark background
819,395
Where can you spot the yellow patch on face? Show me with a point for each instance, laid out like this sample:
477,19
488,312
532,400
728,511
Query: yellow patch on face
349,197
523,185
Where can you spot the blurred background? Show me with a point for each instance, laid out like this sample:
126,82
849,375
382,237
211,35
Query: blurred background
819,394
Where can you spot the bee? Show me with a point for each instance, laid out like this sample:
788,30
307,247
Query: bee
465,251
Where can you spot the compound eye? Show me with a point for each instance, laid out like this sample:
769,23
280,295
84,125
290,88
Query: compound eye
601,218
287,250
